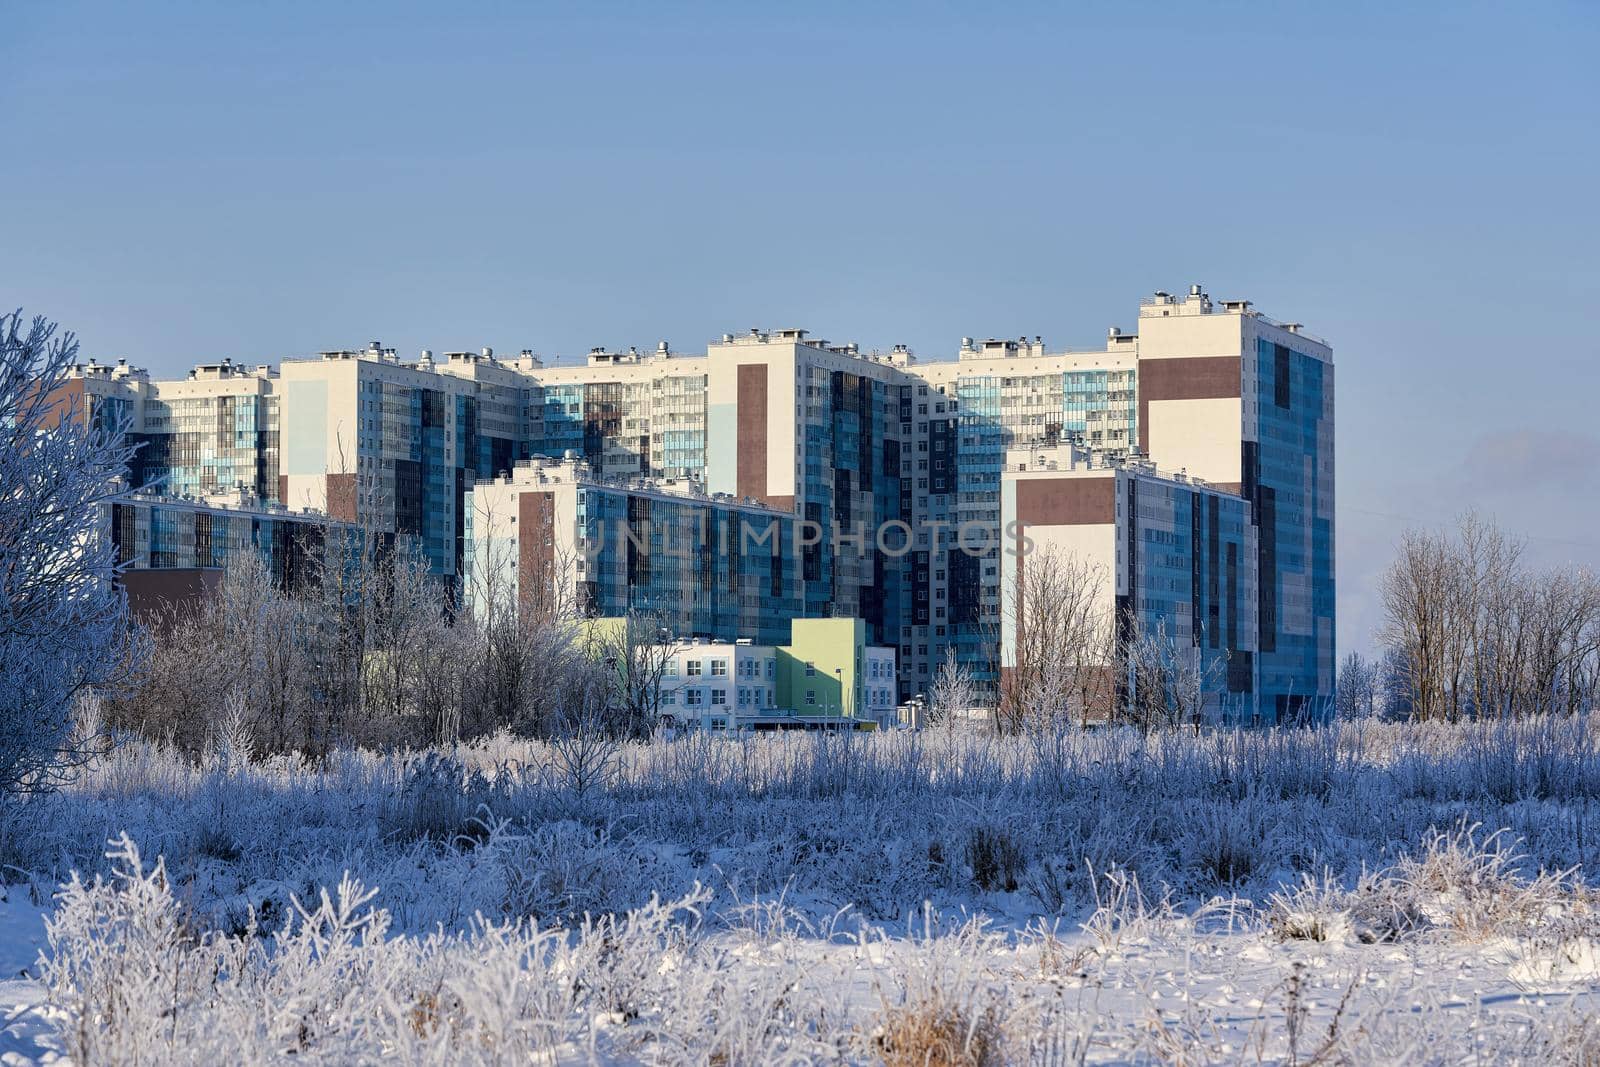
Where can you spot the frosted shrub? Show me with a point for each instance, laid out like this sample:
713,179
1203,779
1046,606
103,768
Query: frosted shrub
1379,908
943,1009
439,798
878,822
563,871
994,858
1226,841
1461,885
135,982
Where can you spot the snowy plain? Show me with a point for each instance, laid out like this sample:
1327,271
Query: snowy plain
1367,893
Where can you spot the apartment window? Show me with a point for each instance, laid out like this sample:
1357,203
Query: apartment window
693,668
672,667
811,669
669,698
691,697
719,668
719,696
811,697
772,668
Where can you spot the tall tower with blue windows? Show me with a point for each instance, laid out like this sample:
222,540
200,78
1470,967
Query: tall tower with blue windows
1246,403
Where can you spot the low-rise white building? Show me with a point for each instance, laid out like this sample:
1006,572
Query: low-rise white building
711,681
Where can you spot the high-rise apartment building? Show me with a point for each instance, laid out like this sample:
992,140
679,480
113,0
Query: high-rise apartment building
1246,403
902,464
396,446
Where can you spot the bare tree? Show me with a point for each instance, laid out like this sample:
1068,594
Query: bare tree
1062,650
1418,591
64,630
635,655
350,599
410,684
251,644
1357,688
527,670
1475,632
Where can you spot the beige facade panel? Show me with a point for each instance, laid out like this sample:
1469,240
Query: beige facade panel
1200,437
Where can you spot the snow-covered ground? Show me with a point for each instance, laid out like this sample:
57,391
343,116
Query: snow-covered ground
29,1033
1344,895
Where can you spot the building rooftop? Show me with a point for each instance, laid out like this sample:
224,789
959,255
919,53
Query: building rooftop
234,503
1074,460
573,470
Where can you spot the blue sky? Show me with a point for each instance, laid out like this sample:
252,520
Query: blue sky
1415,182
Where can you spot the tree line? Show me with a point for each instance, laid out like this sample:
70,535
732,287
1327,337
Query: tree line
1472,629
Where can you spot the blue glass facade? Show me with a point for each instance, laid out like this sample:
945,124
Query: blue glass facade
203,445
706,568
1288,478
160,534
1189,577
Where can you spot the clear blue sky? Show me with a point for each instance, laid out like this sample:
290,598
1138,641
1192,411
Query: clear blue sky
1418,183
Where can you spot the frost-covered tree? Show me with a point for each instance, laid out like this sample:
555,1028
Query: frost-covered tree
1357,688
954,691
634,656
64,632
1173,681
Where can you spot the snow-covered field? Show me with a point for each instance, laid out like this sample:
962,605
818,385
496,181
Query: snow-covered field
1371,893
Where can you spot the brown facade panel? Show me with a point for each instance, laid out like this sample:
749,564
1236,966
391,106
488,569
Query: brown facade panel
751,459
156,597
1066,501
342,497
1199,378
536,527
69,399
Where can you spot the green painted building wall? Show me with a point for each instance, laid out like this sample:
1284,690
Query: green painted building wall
835,649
